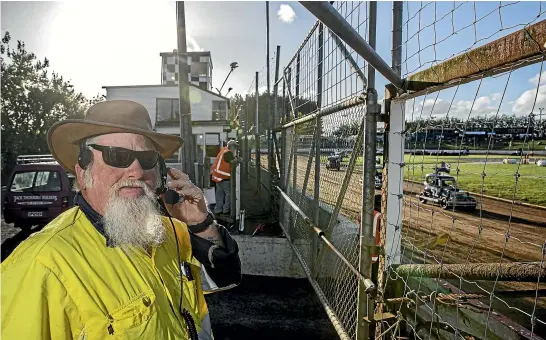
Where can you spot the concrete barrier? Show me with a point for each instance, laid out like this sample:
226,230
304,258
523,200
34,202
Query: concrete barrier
271,256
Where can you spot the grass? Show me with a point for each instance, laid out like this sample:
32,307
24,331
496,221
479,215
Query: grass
499,180
529,145
418,159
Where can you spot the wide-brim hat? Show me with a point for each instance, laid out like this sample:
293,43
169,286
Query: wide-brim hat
112,116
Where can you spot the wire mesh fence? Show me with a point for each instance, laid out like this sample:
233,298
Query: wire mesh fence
464,255
258,105
472,194
322,111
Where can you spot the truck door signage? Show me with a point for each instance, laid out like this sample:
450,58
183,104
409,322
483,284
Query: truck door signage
26,199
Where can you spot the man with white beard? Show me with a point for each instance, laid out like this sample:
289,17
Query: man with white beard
115,265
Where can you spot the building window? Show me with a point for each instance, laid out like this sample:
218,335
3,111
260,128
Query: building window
167,110
219,110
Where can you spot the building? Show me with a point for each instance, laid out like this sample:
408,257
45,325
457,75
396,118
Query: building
199,69
209,110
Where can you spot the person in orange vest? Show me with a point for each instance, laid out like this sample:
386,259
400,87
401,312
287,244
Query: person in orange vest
221,173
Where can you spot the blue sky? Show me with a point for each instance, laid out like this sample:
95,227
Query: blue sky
118,43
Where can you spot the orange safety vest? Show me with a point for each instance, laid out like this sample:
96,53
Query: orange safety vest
220,169
376,232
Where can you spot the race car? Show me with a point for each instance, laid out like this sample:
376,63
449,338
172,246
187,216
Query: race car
442,188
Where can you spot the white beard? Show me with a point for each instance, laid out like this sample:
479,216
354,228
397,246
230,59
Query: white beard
133,221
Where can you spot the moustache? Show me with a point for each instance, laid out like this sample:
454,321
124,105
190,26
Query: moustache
132,183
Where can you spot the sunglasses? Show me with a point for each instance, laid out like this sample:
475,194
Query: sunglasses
122,158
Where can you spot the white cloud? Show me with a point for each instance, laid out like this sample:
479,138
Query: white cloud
524,104
496,96
437,108
261,89
286,13
252,90
192,45
534,80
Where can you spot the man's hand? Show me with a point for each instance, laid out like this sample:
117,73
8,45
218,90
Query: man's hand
194,208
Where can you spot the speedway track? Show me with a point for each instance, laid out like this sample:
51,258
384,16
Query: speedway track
473,237
497,230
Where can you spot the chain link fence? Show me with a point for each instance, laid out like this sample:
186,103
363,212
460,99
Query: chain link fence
471,226
254,123
322,137
455,245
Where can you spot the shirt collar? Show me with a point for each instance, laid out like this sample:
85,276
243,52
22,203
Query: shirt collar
94,217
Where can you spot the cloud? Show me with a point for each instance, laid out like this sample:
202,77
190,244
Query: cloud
496,96
485,105
286,14
534,80
252,90
524,104
192,45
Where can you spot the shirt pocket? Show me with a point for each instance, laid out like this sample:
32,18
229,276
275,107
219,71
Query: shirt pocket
131,319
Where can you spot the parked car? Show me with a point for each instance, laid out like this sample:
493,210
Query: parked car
442,188
378,176
38,190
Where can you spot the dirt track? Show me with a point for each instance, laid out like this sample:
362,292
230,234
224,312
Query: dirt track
525,226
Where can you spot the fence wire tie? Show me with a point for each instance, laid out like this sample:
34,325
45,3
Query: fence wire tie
399,318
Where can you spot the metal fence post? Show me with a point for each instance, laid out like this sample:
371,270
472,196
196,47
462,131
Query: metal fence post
269,106
296,96
275,103
257,139
206,173
318,133
275,162
397,10
365,308
283,132
246,159
233,194
295,139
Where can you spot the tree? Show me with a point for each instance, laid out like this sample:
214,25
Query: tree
33,99
348,129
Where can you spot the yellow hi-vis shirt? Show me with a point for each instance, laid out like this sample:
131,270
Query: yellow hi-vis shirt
65,283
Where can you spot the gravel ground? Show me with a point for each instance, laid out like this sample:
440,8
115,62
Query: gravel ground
269,308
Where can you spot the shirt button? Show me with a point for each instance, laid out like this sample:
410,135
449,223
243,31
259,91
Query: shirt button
146,301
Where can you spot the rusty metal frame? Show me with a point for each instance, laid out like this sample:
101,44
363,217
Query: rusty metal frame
508,271
513,51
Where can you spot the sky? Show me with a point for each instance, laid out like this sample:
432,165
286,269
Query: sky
99,43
